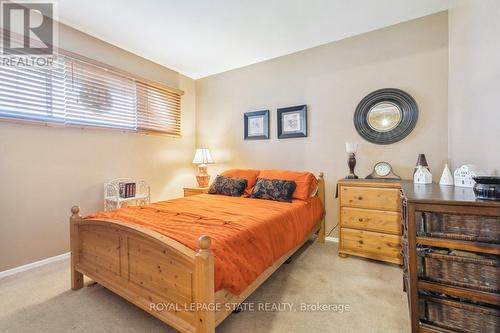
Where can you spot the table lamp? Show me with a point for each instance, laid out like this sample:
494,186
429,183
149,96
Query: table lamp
351,149
202,157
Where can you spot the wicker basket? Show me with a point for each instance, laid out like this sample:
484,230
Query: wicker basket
475,273
459,316
462,227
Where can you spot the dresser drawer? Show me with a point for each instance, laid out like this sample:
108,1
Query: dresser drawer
367,197
458,226
371,245
372,220
457,316
462,269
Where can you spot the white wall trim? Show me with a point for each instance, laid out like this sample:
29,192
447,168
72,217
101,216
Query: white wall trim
332,239
35,264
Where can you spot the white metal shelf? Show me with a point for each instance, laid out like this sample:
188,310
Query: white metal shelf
112,199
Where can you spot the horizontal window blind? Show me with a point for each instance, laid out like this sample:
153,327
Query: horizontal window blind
97,97
33,93
158,110
79,93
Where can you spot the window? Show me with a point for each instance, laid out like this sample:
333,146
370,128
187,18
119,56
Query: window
157,109
73,92
33,93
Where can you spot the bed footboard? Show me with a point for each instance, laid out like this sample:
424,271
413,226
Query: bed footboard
161,276
158,274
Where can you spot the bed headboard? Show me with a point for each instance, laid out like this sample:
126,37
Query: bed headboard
321,188
321,195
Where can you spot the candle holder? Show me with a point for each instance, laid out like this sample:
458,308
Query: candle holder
351,162
351,149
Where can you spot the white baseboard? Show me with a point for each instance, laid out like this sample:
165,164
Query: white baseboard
35,264
332,239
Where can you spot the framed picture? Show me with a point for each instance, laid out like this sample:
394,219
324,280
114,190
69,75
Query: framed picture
292,122
257,125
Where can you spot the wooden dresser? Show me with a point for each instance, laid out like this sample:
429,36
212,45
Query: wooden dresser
370,219
451,250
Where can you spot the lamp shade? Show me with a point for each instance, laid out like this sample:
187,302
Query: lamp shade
202,156
351,147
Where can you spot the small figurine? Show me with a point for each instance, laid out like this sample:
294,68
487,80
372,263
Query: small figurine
422,175
446,177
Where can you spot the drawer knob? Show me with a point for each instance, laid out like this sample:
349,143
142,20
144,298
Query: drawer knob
360,219
360,198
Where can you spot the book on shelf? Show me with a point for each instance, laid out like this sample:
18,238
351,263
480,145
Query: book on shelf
127,190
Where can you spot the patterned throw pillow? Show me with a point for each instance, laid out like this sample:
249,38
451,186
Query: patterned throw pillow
228,186
273,189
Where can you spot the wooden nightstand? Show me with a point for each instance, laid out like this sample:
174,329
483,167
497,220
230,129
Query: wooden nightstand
188,191
370,219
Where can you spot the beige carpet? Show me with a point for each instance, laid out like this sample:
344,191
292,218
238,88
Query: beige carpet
40,300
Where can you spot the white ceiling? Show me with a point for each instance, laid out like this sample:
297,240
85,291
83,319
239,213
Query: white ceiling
203,37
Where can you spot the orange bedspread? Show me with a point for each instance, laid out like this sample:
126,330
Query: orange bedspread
248,235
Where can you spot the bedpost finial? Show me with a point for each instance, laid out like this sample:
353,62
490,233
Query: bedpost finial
204,242
75,211
321,175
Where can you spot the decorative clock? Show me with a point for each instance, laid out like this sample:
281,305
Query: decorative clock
382,170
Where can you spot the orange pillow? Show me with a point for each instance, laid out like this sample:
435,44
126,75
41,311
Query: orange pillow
306,182
248,174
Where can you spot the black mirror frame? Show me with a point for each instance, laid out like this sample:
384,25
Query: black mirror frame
409,116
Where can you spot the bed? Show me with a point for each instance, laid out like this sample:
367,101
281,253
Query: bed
149,256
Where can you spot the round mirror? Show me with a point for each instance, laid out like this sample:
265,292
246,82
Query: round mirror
384,116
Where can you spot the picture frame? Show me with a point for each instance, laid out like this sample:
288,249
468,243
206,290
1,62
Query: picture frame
256,125
292,122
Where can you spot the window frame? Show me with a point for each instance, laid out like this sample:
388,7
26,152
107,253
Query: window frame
116,71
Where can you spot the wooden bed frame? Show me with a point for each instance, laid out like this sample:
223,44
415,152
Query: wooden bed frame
158,274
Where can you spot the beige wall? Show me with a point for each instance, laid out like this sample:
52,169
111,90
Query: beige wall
474,84
56,168
44,171
332,79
